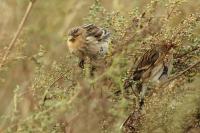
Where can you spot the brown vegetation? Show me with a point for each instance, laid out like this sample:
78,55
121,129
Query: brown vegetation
43,90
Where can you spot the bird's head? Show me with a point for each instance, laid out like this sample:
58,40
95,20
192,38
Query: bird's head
74,33
167,46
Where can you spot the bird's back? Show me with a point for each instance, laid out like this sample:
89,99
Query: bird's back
97,39
97,33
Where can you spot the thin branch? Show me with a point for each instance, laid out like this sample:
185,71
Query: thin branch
62,76
173,8
20,27
52,84
188,52
181,73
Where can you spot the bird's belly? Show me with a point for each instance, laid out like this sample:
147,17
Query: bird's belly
156,73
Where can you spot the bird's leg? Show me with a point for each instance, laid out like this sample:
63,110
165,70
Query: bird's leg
142,95
93,63
141,103
93,68
81,63
134,91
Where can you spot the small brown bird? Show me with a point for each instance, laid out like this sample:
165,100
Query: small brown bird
154,66
88,41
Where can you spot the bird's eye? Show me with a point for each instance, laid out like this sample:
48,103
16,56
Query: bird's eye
71,39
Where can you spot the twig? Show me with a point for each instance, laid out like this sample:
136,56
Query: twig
20,27
169,14
182,55
52,84
181,73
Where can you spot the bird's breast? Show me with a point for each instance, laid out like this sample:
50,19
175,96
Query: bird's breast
75,45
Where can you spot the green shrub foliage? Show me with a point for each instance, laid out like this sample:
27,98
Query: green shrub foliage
56,96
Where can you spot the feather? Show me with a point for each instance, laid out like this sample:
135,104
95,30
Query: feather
147,60
97,33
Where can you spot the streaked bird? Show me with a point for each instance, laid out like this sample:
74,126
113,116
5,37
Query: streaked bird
88,41
154,66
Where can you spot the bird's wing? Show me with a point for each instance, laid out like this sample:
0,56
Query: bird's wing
96,33
147,60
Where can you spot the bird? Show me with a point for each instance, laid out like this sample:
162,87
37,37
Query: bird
154,66
90,41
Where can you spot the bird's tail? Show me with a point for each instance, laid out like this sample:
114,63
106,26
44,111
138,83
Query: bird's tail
105,35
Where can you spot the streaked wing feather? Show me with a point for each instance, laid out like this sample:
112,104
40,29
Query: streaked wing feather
147,60
96,32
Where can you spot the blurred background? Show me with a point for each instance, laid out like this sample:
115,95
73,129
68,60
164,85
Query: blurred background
42,46
46,28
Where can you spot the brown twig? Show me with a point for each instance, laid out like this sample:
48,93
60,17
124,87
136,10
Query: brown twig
62,76
20,27
181,73
170,13
188,52
52,84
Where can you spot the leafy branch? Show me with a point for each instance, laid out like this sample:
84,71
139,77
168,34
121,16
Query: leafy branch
20,27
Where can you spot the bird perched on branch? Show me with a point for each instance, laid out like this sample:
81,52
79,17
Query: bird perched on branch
154,66
88,41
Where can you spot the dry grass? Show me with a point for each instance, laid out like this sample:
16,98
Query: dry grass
43,90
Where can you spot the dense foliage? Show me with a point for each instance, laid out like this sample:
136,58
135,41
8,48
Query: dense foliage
43,90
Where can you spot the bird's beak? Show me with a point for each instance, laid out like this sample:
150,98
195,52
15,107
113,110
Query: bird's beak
71,38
